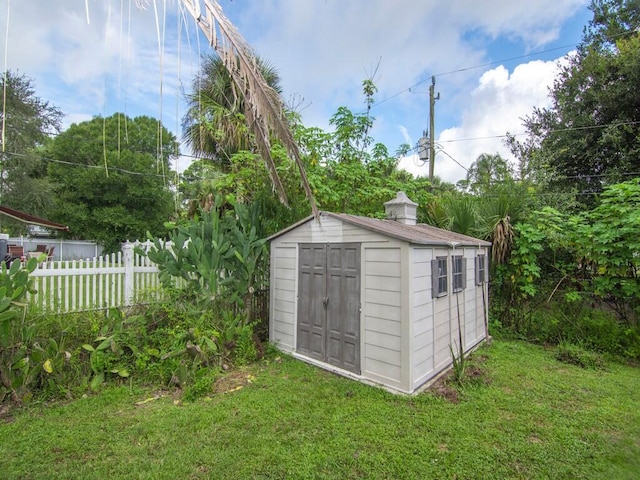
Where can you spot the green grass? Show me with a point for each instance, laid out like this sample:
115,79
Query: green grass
534,418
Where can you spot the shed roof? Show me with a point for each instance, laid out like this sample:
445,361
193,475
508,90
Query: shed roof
421,234
31,219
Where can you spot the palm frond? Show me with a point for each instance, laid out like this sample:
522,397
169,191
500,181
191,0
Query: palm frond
462,210
263,106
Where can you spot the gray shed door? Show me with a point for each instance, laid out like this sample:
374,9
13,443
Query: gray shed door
329,304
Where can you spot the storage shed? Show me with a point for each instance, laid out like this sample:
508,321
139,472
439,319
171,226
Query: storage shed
377,300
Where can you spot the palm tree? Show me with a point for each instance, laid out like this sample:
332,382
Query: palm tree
490,217
454,212
497,215
263,107
215,126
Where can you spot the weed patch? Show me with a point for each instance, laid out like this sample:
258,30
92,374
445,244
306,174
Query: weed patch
576,355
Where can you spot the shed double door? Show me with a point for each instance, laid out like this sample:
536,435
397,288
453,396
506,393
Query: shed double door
329,304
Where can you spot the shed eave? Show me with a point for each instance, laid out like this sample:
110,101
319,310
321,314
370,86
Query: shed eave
291,227
472,242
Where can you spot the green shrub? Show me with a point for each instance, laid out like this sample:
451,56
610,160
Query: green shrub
219,259
244,351
173,343
115,351
593,328
577,355
202,384
18,371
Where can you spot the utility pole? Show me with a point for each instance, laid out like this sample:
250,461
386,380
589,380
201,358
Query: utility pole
432,126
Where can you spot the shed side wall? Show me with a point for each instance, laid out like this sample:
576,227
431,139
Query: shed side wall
382,310
468,304
442,318
471,317
422,315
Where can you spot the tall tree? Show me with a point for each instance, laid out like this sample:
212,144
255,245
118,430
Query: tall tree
27,124
112,178
588,137
486,172
263,106
350,172
215,126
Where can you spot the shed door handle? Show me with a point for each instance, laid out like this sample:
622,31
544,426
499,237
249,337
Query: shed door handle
325,302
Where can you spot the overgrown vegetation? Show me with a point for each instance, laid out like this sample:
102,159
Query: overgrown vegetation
170,345
20,358
219,260
575,277
204,326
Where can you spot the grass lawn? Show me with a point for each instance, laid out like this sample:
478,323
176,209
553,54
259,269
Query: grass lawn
533,417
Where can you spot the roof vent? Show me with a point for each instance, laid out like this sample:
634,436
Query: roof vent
401,209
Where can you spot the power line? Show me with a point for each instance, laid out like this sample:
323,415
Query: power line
488,64
472,67
83,165
560,178
465,168
415,148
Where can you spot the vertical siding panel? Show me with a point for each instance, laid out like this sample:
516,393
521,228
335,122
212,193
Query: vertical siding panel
471,294
406,317
422,316
382,313
283,295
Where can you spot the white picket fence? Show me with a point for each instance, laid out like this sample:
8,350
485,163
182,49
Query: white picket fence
117,280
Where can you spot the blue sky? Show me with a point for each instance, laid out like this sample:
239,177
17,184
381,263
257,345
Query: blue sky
493,61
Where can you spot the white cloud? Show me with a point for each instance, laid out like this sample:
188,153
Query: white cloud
534,22
71,118
412,164
323,49
497,105
405,134
112,63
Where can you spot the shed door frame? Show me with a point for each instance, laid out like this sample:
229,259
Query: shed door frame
328,316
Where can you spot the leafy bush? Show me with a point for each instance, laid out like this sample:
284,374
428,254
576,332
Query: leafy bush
245,350
577,355
201,386
117,345
17,368
220,260
608,238
167,344
575,278
579,323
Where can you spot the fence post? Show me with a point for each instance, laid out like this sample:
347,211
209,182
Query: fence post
127,258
